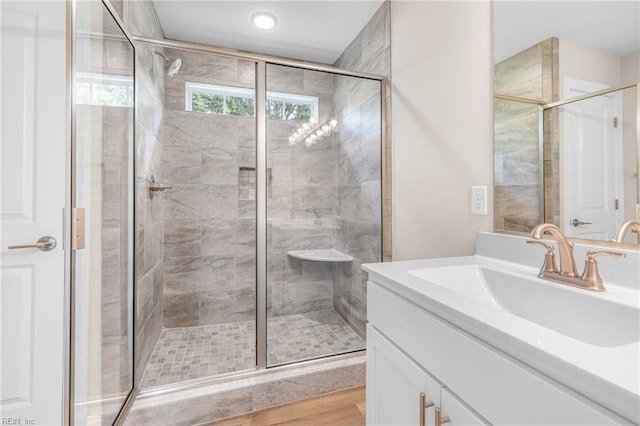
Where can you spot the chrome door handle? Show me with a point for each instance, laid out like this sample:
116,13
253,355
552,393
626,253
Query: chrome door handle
45,243
577,222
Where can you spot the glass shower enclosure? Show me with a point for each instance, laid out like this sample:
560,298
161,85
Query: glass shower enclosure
102,197
275,202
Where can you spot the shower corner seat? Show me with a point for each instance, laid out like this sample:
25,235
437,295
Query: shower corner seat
321,255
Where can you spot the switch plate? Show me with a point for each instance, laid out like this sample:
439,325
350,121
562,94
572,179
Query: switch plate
479,200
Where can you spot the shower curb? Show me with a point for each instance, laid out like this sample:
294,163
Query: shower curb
208,403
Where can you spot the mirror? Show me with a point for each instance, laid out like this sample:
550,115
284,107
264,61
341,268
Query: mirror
566,144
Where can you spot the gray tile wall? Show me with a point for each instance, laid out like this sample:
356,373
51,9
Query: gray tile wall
209,215
149,219
302,203
117,138
530,74
139,17
358,157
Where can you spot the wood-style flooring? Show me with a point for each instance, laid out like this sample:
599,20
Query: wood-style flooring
344,408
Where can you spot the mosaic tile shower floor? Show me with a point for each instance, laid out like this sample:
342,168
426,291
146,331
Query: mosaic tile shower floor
194,352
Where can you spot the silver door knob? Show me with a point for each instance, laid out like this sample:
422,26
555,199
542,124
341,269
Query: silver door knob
577,222
45,243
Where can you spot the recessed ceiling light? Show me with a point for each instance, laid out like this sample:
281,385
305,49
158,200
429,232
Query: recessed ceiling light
264,20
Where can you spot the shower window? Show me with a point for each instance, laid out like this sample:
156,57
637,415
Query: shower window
104,89
229,100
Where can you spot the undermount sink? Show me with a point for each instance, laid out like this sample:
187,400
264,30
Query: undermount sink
586,316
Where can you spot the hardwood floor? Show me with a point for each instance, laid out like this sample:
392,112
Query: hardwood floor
344,408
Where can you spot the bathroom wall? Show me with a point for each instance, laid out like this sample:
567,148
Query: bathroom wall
210,212
139,18
358,157
301,201
441,125
585,63
531,74
209,243
149,223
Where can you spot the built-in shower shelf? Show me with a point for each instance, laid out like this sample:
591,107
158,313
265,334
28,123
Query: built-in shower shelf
321,255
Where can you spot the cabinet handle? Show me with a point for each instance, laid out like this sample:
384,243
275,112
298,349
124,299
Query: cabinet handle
424,404
440,419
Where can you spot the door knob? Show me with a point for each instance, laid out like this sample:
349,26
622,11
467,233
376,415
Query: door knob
577,222
46,243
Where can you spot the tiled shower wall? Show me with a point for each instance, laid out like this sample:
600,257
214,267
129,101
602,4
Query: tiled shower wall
358,157
139,18
195,246
210,212
116,140
531,74
209,242
301,203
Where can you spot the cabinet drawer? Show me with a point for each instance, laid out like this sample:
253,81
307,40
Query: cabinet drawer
501,389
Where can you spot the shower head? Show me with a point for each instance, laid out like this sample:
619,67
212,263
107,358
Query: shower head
174,66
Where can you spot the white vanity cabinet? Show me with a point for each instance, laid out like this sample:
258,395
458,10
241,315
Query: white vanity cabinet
395,384
410,351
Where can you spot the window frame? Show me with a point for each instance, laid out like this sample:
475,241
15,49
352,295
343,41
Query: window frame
92,79
191,87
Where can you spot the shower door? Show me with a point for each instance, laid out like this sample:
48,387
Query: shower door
323,197
102,194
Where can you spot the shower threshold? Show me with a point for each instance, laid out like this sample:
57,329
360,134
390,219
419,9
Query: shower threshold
189,353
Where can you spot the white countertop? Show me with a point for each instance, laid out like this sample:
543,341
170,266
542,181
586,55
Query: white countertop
608,375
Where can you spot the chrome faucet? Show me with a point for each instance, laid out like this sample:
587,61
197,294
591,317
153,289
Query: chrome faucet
590,278
630,225
565,247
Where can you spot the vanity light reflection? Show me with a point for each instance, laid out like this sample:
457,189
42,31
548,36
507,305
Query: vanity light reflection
311,132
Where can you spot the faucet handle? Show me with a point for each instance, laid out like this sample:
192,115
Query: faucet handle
549,247
549,258
591,255
591,276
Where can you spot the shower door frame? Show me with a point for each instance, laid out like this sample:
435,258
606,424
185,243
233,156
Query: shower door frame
262,61
69,369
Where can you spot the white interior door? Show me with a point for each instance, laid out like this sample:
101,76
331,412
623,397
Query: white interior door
592,162
32,200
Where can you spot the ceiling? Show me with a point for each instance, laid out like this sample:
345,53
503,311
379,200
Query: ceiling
309,30
320,30
609,26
